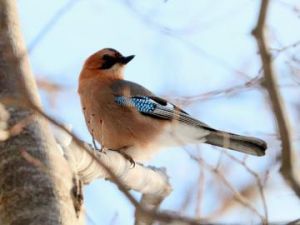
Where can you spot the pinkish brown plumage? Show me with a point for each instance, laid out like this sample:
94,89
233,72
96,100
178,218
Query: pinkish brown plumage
124,116
113,126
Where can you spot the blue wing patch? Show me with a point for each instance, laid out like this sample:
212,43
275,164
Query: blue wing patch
142,104
159,109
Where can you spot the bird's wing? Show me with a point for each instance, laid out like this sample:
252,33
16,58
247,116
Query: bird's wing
128,88
132,95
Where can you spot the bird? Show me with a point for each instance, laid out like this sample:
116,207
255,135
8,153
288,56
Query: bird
126,117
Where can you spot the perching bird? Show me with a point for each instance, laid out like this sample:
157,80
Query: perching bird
126,117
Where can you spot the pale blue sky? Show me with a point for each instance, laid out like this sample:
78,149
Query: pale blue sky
182,48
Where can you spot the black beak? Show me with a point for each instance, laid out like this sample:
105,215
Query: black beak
126,59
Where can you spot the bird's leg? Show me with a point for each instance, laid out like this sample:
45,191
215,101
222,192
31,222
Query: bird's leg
102,148
95,145
94,142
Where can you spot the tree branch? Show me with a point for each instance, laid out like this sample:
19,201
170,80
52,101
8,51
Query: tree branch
146,180
29,195
151,182
271,86
150,213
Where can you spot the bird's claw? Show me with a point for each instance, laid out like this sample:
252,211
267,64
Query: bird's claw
128,157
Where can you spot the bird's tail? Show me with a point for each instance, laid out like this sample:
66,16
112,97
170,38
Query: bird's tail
249,145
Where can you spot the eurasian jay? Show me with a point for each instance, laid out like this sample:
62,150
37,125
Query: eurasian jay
126,117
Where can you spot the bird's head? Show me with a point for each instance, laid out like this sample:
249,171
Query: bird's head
107,61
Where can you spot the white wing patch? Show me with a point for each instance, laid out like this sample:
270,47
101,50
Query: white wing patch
168,106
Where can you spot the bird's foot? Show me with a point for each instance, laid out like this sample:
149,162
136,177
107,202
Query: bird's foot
128,157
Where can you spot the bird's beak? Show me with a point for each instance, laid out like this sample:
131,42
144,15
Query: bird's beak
126,59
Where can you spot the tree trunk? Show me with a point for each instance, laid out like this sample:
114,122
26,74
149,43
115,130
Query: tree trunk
36,182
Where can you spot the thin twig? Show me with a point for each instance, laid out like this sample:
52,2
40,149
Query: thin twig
200,192
250,84
258,181
237,195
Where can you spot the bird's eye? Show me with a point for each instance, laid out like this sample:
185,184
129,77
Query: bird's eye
108,61
106,57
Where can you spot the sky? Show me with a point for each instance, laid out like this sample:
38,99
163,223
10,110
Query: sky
181,50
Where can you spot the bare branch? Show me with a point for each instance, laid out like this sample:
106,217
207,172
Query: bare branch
248,85
146,180
237,195
258,182
288,168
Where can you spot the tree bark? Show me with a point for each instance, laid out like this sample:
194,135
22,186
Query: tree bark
36,182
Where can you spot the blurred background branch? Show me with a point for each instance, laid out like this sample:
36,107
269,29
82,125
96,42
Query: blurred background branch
289,168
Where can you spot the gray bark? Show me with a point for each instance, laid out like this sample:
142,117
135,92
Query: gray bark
36,182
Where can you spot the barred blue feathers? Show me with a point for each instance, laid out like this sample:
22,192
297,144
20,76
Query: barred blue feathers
142,104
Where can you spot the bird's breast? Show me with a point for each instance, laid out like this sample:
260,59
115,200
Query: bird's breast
116,126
